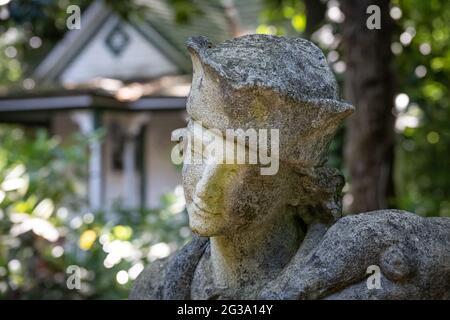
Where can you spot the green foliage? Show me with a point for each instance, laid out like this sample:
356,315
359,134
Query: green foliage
45,225
185,10
422,61
423,148
282,17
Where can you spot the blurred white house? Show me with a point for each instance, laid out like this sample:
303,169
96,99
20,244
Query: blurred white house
130,78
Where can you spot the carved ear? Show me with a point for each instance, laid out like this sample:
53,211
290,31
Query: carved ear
319,189
297,195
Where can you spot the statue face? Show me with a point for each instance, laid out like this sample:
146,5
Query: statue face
222,198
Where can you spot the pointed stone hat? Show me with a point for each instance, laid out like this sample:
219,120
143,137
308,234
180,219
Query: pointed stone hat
268,82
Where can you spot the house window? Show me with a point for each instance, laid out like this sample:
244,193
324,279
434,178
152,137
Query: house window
117,146
118,139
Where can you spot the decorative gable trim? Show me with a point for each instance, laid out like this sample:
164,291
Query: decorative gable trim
93,18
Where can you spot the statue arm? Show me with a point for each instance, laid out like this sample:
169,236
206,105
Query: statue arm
412,252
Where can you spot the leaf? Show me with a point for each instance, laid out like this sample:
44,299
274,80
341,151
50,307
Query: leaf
44,209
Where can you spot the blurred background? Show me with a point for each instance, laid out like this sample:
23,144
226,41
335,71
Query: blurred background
87,106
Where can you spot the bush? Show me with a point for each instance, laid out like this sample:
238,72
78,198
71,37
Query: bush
45,226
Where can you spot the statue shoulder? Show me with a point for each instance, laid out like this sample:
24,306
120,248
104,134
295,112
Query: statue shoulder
150,283
170,278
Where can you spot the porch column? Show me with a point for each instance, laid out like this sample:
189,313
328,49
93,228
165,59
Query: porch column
87,122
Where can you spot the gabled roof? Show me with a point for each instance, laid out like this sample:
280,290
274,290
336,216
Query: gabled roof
212,22
159,28
74,41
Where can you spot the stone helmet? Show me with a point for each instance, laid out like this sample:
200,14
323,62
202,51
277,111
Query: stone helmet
268,82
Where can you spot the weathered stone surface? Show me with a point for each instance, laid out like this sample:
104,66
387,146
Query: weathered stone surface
282,236
261,81
289,66
412,252
153,284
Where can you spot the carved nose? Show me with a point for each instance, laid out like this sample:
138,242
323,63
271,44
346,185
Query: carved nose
209,183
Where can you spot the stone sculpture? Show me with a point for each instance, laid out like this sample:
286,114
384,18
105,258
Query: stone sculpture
283,236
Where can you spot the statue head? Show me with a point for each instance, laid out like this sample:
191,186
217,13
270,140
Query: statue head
282,90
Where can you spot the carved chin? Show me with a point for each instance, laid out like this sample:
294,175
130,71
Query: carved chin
205,225
203,228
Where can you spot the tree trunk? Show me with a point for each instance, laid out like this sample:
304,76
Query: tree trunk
231,13
315,14
369,85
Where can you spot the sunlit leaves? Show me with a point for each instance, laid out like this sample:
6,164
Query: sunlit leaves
44,209
434,90
122,232
87,239
299,22
24,223
282,17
